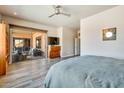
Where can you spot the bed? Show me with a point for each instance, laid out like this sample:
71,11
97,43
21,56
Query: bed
86,72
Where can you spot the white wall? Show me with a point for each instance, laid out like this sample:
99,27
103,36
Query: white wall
60,35
91,33
52,31
67,37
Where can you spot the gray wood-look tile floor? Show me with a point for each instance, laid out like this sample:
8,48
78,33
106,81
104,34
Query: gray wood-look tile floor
27,74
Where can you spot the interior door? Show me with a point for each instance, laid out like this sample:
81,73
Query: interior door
4,48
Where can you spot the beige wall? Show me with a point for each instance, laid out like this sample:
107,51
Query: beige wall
91,33
21,35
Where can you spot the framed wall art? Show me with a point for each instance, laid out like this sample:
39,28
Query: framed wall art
109,34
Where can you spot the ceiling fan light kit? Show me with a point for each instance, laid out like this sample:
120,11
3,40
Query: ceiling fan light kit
58,11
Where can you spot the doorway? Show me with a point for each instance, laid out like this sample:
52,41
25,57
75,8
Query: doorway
27,44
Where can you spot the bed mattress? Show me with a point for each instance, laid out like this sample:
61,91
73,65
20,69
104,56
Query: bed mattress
86,72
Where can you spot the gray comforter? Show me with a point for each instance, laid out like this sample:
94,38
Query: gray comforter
86,72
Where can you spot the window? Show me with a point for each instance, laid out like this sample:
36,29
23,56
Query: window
19,43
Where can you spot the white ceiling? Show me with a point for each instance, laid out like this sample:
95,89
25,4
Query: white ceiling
40,13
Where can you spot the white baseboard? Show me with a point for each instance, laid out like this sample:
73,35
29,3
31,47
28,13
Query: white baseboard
67,56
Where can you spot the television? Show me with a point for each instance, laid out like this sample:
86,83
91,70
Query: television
53,41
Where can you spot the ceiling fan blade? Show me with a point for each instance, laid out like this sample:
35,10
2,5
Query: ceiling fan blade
66,14
52,15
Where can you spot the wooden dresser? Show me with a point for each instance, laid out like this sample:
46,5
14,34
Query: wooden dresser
54,51
4,48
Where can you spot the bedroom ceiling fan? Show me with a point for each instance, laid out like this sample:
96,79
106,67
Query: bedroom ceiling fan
58,11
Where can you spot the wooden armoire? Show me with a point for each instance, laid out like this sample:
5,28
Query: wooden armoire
4,48
54,51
